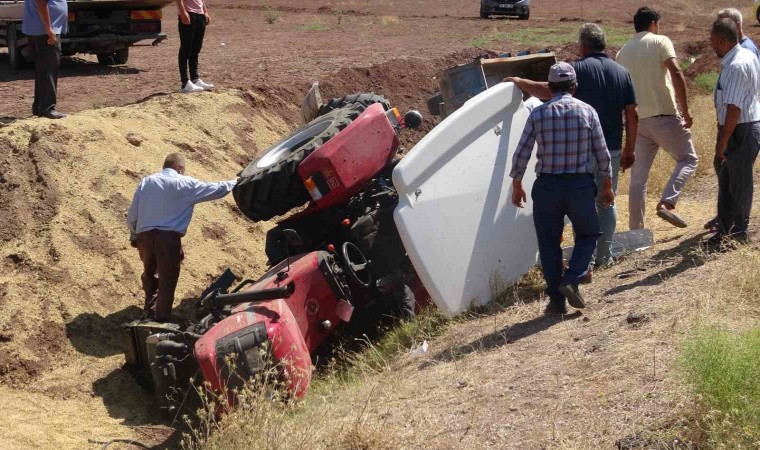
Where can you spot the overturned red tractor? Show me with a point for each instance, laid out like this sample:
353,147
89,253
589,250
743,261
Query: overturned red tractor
338,262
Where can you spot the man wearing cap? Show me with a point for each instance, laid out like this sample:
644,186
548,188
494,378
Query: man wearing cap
607,87
570,144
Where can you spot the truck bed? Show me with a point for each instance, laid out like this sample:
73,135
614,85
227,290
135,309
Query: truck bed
14,10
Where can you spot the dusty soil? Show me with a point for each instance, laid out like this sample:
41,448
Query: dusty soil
68,277
313,41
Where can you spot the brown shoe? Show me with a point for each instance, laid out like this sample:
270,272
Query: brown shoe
671,217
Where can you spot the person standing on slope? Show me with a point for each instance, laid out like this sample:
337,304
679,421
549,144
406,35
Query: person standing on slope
738,111
570,144
158,218
658,82
607,87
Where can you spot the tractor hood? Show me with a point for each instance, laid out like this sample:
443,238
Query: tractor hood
465,238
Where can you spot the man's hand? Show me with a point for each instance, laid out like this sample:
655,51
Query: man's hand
515,80
208,18
184,17
518,194
52,38
608,197
627,159
688,121
720,150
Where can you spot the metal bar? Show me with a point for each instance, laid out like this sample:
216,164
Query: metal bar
253,296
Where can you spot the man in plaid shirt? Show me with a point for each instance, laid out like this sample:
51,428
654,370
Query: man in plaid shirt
569,135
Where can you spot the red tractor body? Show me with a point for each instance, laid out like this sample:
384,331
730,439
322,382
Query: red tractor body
344,165
349,259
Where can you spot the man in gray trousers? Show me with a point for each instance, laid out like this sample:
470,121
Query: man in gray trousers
44,22
738,110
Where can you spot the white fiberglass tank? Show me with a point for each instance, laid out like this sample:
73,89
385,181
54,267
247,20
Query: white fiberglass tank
465,238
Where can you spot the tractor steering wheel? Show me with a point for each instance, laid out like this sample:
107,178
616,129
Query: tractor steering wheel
357,264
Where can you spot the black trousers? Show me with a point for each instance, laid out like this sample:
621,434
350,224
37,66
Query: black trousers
735,183
47,61
190,44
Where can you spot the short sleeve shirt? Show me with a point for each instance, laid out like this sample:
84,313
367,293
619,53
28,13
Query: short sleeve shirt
607,87
644,56
738,85
59,18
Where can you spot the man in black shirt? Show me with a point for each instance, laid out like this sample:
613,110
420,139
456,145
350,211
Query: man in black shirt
607,87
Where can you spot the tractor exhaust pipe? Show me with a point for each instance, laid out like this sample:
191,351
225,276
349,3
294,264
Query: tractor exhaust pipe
217,300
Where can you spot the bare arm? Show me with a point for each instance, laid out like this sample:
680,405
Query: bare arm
628,157
183,16
535,88
44,13
679,83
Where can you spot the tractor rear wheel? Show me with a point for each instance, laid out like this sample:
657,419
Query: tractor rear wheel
365,99
270,185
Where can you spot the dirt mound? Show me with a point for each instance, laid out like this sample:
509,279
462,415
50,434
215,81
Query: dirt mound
68,277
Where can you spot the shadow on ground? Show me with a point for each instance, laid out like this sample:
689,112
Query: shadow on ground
135,407
70,67
690,254
507,335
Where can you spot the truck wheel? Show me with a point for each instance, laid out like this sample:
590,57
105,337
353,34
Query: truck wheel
114,58
757,13
365,99
270,186
15,58
525,16
483,13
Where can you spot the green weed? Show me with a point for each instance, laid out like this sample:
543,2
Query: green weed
316,26
706,81
723,369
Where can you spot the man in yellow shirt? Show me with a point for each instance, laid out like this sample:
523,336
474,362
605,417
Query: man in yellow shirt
658,82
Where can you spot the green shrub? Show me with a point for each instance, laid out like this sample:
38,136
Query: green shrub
707,81
723,369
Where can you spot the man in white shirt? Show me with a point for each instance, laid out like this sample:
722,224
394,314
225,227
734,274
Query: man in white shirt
158,217
738,110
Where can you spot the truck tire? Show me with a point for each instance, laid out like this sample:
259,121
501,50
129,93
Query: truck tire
270,185
483,13
365,99
114,58
15,58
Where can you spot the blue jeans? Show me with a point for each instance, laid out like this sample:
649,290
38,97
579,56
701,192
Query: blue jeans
554,197
607,216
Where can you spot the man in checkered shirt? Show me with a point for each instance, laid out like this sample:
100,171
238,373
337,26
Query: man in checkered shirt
570,140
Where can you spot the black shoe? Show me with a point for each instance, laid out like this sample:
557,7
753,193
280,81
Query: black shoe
52,115
573,295
554,308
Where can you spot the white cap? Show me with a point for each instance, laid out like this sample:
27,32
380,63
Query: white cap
561,72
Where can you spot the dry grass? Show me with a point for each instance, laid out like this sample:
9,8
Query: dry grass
271,16
70,278
389,20
564,384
